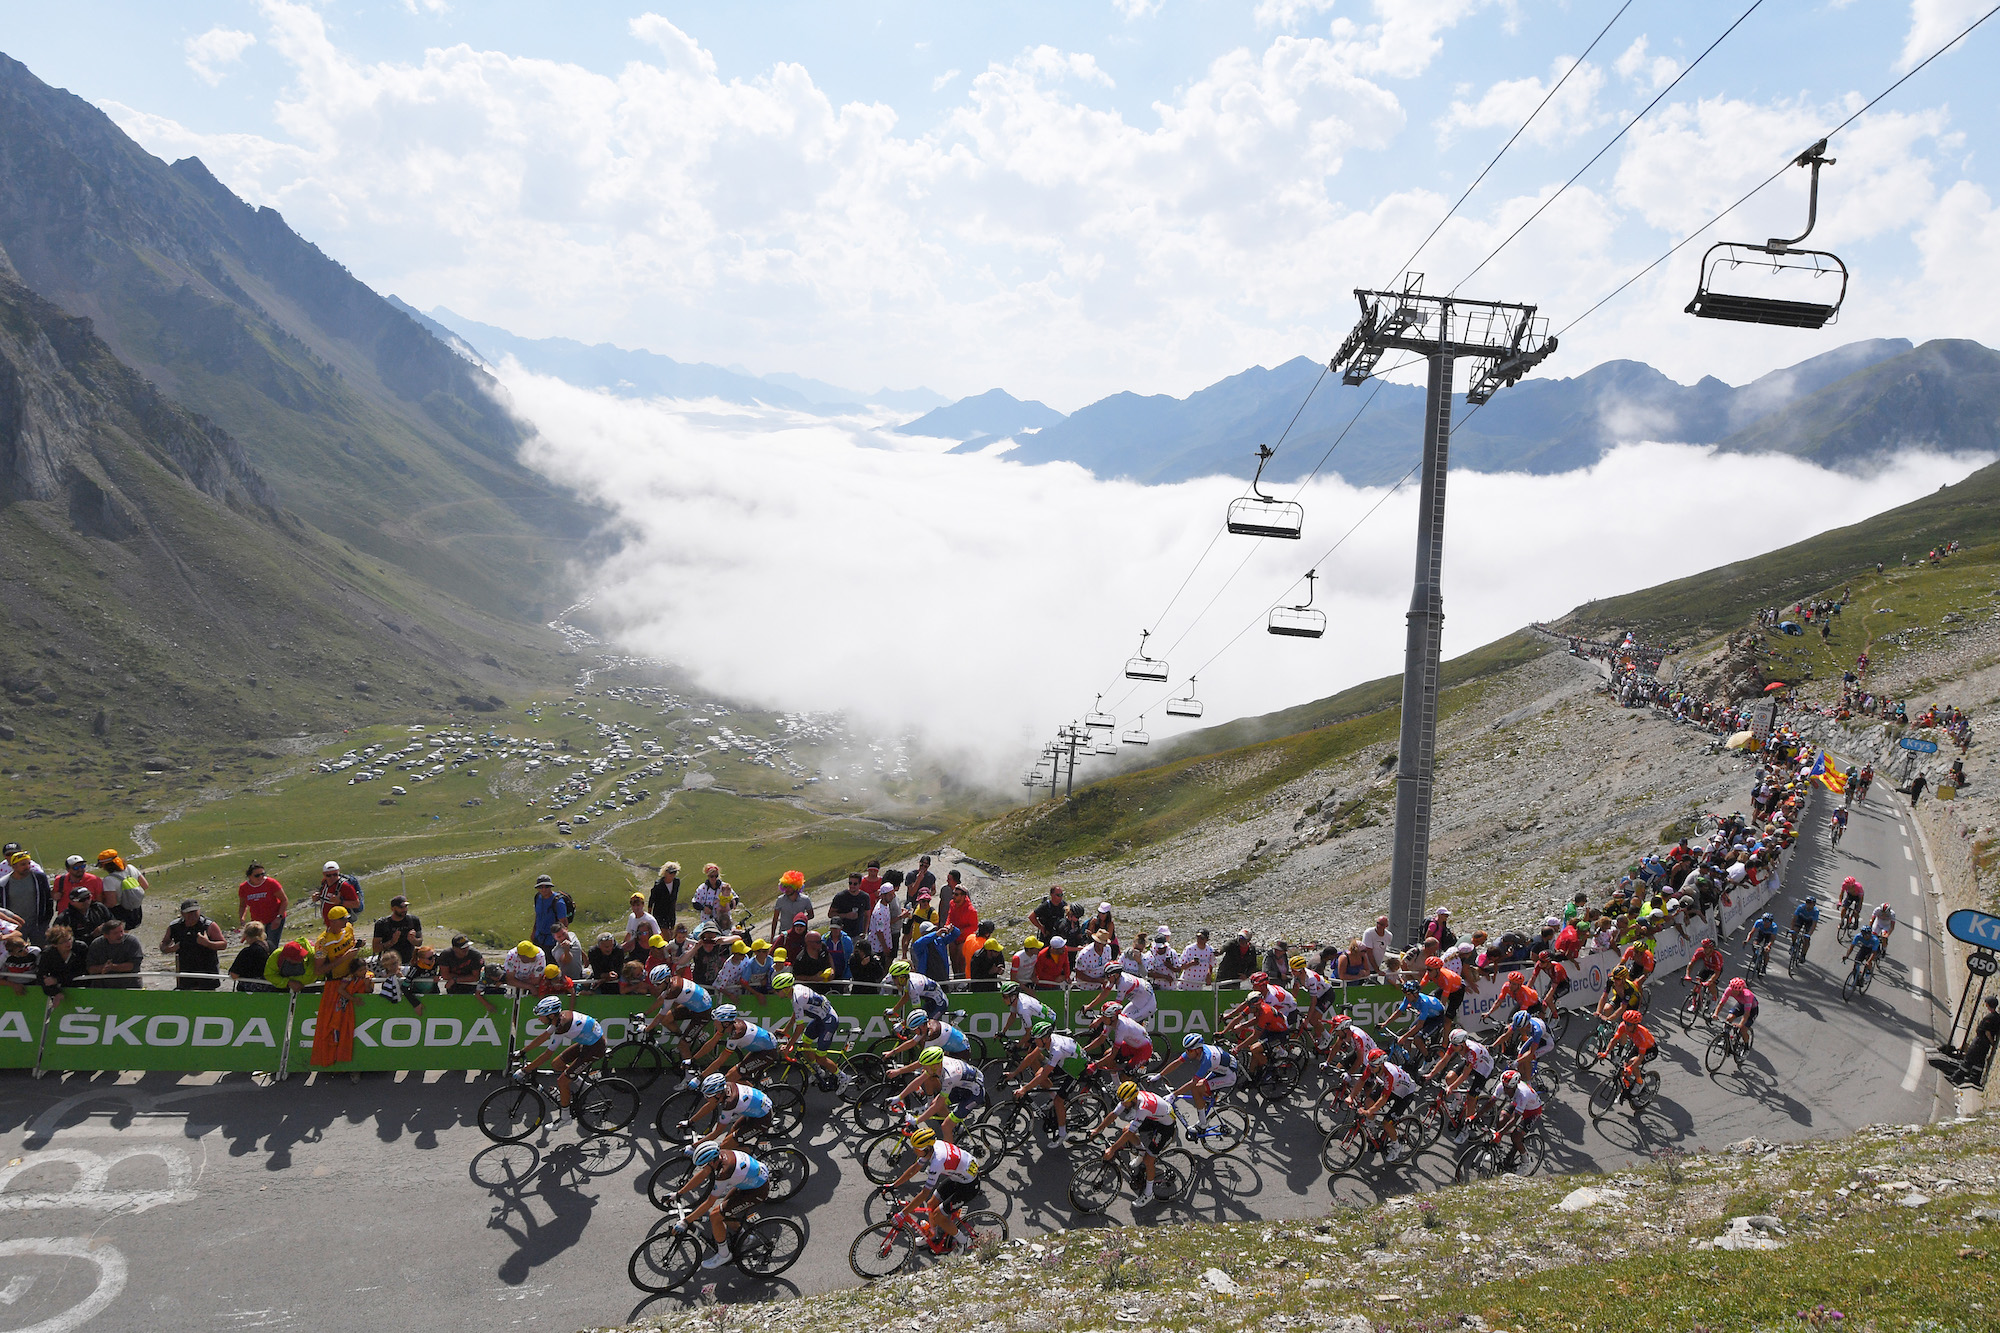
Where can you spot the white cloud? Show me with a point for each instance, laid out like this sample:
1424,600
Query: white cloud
427,6
218,46
939,83
1651,74
979,603
1288,14
1507,103
1935,22
1132,10
1406,36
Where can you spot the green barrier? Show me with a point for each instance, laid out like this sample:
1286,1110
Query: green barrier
183,1031
453,1032
20,1027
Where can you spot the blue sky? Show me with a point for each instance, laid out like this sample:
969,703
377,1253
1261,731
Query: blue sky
1064,199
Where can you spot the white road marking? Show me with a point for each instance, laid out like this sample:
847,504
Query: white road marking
88,1191
1915,887
1916,978
1916,1069
1906,853
110,1277
16,1289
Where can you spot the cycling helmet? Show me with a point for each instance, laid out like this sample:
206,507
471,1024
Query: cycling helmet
1410,988
1516,977
1341,1023
1459,1036
1041,1029
931,1056
899,968
660,975
1191,1041
915,1021
1850,880
1258,979
1010,988
713,1085
1621,972
548,1006
1519,1022
922,1137
1543,956
1128,1092
1708,943
705,1153
1633,1016
1114,1009
1298,960
725,1013
784,981
1509,1078
1378,1056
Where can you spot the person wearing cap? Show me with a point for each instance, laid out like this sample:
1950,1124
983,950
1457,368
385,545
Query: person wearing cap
460,967
1438,930
1021,964
288,967
932,951
196,944
882,925
710,953
335,890
1101,920
1239,958
1163,965
640,925
262,899
522,968
85,918
728,981
76,881
975,944
336,952
26,892
116,956
759,967
1094,959
1197,963
20,962
791,902
125,887
665,901
839,952
1052,964
399,930
551,910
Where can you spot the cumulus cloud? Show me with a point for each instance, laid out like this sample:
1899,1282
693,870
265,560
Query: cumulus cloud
1935,22
1507,103
214,48
1405,37
1132,10
1649,72
978,603
1288,14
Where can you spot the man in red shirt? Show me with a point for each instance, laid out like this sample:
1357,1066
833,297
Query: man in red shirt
336,890
1568,943
261,898
76,878
961,913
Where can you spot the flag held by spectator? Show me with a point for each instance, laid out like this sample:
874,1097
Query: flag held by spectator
1832,779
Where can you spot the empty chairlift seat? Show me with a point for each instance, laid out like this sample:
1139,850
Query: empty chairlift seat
1301,621
1137,735
1261,515
1143,667
1105,746
1776,282
1188,707
1099,720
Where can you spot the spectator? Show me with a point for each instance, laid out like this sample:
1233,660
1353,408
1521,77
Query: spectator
1051,966
1163,965
25,891
335,890
1376,940
840,947
196,944
866,967
961,916
1438,929
921,880
981,933
882,924
987,963
1197,963
758,969
566,954
632,981
665,901
931,952
287,968
813,963
922,912
791,902
460,967
20,962
606,960
1979,1051
640,925
892,881
399,930
125,888
713,898
76,881
871,879
85,917
63,961
423,977
1355,966
115,955
709,955
1916,788
262,899
248,964
793,942
1021,965
1277,962
1094,959
551,910
1102,922
677,952
522,968
850,907
553,982
1050,914
658,954
336,953
1239,959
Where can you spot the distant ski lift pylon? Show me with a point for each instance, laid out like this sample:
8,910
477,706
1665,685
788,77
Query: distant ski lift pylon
1143,667
1301,621
1097,719
1261,515
1188,707
1137,735
1782,263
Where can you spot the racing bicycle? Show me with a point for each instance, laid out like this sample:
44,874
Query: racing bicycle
516,1109
890,1247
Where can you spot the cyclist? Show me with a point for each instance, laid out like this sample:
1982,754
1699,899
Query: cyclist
1520,1108
1476,1067
1426,1016
1867,944
741,1182
956,1088
1527,1040
1025,1007
1742,1004
569,1039
1763,932
1620,993
919,1030
1850,902
1351,1047
733,1104
1149,1121
1805,919
1210,1070
1882,923
1394,1089
1645,1047
1125,1043
1048,1052
1319,993
1254,1022
1638,961
680,1002
1839,822
1862,781
919,991
1132,991
1550,966
813,1019
951,1178
1516,988
735,1035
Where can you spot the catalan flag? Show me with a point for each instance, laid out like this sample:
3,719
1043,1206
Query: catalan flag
1833,779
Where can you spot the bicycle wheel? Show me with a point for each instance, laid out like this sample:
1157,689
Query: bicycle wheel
511,1113
1331,1117
1851,986
1093,1185
984,1142
884,1158
606,1105
871,1111
768,1246
677,1107
637,1062
866,1069
1649,1088
1479,1162
1559,1026
1173,1175
1718,1051
1423,1126
789,1168
1340,1154
1225,1130
668,1177
664,1261
1690,1010
1605,1095
788,1112
881,1251
1586,1054
984,1227
1011,1121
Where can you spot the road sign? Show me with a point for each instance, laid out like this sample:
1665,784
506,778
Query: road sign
1918,745
1982,964
1975,928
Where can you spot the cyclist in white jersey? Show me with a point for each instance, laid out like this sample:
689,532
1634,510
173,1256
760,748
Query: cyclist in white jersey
1050,1051
1025,1007
1319,995
951,1178
1520,1108
955,1087
570,1039
1210,1070
1477,1068
737,1182
1386,1090
1148,1120
814,1020
1133,992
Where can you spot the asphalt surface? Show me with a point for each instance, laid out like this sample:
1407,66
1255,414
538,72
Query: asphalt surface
139,1202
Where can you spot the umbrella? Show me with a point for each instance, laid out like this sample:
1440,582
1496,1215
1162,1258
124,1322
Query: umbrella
1739,740
1774,685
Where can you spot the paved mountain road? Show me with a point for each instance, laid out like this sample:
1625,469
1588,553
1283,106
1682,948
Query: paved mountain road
135,1203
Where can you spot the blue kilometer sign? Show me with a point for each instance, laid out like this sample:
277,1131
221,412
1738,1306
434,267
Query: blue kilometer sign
1975,928
1918,744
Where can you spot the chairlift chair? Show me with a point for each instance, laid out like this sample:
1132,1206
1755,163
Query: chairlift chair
1301,621
1105,746
1188,707
1781,259
1137,735
1143,667
1099,720
1261,515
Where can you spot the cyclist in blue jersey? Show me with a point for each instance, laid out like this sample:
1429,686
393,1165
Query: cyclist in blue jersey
680,1002
737,1036
1527,1041
919,1030
1425,1012
737,1183
814,1020
1805,919
1210,1070
1763,931
736,1106
1867,944
569,1039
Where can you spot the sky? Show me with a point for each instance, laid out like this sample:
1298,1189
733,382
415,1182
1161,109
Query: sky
1063,199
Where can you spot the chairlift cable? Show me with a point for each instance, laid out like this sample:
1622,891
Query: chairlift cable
1609,144
1678,246
1539,107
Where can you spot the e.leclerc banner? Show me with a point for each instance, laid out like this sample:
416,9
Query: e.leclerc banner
452,1032
183,1031
20,1027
